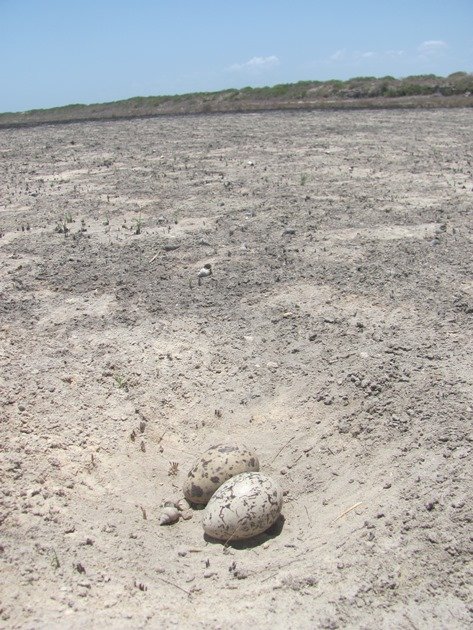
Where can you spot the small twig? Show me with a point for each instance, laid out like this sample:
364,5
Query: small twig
176,585
153,259
282,566
308,517
225,546
160,439
281,450
346,511
300,456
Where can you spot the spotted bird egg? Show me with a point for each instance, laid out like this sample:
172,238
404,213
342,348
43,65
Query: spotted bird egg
214,467
244,506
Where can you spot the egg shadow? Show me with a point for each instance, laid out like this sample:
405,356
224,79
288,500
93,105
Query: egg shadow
255,541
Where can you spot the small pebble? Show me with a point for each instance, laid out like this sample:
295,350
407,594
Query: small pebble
186,515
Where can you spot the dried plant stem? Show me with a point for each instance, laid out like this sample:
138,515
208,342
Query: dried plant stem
308,517
281,449
282,566
176,585
346,511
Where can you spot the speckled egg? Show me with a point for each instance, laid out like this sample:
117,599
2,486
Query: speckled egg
217,464
244,506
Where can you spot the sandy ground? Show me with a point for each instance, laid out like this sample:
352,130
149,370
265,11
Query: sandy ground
334,338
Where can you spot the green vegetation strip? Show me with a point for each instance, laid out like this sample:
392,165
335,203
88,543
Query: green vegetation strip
424,91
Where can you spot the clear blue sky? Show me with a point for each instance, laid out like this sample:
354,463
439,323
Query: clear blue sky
57,52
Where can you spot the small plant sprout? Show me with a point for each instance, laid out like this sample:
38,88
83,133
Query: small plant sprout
121,382
55,560
137,225
173,469
304,178
61,227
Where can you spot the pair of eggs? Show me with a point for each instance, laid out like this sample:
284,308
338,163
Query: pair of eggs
241,501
